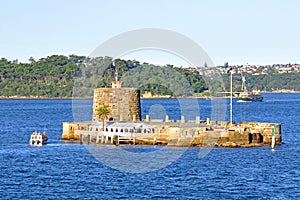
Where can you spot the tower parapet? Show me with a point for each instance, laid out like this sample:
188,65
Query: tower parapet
116,84
123,103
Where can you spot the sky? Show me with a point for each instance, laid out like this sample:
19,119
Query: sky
233,31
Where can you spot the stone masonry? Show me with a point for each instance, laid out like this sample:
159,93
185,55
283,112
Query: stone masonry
123,103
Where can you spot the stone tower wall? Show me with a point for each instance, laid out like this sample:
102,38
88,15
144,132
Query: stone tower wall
123,103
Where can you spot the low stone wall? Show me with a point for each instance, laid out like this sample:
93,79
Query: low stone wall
69,129
220,134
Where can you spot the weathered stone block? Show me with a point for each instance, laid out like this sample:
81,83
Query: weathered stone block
124,103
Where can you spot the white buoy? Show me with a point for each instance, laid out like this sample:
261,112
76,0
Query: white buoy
273,137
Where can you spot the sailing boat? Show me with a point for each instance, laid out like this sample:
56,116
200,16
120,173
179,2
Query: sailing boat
246,96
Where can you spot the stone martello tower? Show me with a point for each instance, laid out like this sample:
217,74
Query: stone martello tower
123,103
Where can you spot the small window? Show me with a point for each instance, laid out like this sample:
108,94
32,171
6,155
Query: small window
96,129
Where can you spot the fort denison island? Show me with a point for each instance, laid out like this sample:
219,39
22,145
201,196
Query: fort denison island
121,123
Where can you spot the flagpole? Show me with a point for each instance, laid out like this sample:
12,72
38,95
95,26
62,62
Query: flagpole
230,97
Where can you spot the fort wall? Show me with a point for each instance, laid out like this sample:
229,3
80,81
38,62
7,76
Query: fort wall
202,134
123,103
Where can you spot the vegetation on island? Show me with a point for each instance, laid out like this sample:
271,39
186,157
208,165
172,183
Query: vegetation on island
73,75
103,112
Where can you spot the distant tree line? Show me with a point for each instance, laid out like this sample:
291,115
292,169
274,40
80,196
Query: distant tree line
67,76
48,77
267,82
73,75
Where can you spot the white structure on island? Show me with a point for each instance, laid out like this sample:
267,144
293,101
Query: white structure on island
115,132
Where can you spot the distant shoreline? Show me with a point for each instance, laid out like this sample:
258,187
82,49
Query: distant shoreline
283,91
41,97
188,97
214,97
155,97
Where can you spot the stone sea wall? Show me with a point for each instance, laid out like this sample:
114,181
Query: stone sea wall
201,134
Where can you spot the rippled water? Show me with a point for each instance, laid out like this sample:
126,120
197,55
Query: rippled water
68,170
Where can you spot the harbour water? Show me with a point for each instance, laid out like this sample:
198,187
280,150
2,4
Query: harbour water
61,170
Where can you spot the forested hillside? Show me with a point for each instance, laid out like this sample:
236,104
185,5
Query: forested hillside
67,76
50,77
64,76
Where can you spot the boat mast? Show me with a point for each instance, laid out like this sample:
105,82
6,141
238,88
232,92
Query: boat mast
244,89
230,97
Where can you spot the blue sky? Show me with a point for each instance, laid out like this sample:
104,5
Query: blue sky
237,31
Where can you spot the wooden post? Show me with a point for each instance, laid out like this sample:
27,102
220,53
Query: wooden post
89,138
118,140
81,138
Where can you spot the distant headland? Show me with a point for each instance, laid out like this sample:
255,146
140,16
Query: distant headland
55,77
